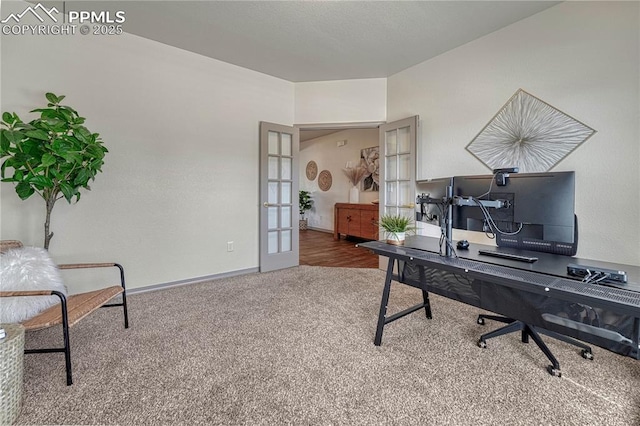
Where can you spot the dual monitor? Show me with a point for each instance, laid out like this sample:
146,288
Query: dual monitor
532,211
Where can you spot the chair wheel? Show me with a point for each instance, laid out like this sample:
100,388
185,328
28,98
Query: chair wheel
480,320
482,344
587,354
554,371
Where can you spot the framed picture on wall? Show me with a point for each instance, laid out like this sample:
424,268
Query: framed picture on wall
370,158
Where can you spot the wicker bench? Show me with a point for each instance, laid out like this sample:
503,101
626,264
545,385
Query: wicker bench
71,309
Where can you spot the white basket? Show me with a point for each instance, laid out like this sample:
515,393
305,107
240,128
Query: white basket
11,368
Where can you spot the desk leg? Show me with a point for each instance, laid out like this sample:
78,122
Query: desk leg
383,303
425,294
636,336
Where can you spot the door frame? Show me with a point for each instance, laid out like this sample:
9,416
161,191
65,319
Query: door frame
356,125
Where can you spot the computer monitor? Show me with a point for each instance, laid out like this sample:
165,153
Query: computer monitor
538,213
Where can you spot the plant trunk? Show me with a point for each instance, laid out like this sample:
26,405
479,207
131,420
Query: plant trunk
50,201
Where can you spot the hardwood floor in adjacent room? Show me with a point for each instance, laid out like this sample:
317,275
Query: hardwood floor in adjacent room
320,249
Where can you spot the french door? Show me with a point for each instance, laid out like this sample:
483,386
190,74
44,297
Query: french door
398,141
279,209
398,148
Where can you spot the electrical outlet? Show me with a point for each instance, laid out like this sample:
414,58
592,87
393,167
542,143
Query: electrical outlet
229,245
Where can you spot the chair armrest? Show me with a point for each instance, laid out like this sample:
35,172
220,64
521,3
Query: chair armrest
64,315
86,265
95,265
26,293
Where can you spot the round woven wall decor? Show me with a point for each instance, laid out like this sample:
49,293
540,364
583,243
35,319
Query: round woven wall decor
312,170
325,180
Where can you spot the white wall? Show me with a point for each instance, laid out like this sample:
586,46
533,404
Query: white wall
329,156
341,101
580,57
181,177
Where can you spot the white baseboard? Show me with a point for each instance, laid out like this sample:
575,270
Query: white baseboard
328,231
188,281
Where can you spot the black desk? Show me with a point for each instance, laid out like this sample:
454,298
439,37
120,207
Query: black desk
539,293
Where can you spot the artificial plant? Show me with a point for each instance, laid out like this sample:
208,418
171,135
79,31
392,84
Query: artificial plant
394,223
54,156
306,203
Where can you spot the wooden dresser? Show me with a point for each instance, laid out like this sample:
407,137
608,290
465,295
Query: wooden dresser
357,220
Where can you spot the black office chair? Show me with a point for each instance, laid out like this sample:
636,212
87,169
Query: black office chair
528,330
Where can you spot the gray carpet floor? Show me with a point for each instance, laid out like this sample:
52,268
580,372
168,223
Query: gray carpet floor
296,347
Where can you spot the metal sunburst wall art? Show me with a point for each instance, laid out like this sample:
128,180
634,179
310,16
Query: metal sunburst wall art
528,133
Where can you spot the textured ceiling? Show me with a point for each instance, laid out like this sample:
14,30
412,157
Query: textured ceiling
317,40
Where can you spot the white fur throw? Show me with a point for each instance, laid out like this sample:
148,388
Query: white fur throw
27,268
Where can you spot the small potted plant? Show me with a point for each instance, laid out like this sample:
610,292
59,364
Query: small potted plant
396,228
305,204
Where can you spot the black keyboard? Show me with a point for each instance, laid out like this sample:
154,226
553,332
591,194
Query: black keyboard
510,256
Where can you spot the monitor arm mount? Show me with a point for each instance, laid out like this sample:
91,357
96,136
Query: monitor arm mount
449,201
423,199
470,201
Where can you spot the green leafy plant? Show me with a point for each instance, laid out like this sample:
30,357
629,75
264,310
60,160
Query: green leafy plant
396,227
306,203
54,156
394,224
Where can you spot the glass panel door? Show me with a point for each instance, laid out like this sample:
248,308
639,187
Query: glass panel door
279,146
399,141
